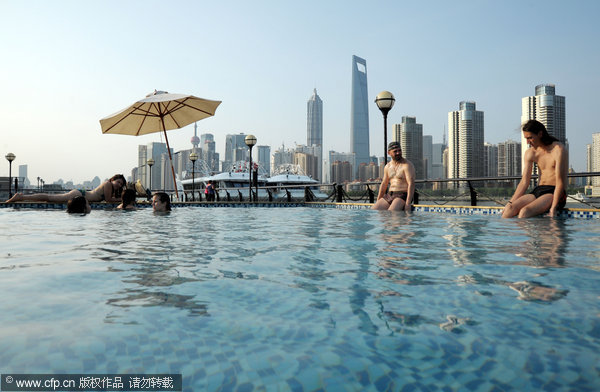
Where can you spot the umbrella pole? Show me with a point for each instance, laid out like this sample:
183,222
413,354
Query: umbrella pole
170,158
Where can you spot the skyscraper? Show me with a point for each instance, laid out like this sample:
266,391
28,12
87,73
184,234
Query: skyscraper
547,108
314,129
465,141
235,150
490,160
359,121
596,157
263,157
509,158
427,155
410,136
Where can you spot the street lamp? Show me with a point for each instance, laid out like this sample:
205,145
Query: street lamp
11,157
250,142
150,162
385,101
193,158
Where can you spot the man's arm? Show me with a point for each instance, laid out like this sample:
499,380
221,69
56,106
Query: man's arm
384,183
525,177
410,181
108,196
562,160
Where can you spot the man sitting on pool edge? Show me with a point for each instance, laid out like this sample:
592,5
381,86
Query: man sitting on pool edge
400,174
552,161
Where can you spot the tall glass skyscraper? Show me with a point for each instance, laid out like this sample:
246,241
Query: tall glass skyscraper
465,142
359,122
410,136
547,108
314,129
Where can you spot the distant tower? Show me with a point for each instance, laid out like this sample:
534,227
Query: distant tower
195,139
410,136
465,142
359,122
314,128
547,108
595,157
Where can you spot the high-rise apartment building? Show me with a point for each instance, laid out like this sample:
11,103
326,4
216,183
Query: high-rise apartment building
359,121
465,141
427,155
596,157
314,129
264,158
162,178
410,136
235,150
343,157
490,160
588,150
549,109
209,153
341,172
509,158
437,161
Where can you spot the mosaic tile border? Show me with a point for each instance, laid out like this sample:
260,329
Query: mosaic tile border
575,213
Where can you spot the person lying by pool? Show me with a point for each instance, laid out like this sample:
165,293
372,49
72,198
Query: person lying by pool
78,205
161,202
128,198
400,174
108,191
552,161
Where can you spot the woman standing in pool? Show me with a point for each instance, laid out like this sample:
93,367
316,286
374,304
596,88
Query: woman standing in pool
109,191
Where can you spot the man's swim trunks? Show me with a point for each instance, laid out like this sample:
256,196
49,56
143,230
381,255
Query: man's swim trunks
390,197
545,189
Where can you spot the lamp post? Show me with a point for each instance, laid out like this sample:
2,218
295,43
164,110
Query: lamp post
150,162
385,101
10,157
38,184
193,158
250,142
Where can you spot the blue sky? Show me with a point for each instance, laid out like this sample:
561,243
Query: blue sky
66,64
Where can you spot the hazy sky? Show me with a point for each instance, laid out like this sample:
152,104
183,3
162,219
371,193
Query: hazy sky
67,64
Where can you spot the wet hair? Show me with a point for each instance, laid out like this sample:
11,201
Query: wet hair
121,177
164,198
77,205
536,127
128,197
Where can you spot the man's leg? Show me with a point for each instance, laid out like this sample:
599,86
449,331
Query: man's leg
397,204
381,204
537,207
512,209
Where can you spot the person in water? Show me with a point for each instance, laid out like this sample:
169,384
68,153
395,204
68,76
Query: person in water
128,198
552,159
108,191
78,205
400,174
161,202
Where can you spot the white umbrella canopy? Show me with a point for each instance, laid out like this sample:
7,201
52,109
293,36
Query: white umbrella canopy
159,112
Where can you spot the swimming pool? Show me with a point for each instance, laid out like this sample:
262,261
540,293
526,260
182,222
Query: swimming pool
303,299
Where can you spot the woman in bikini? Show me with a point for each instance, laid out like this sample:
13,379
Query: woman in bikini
109,191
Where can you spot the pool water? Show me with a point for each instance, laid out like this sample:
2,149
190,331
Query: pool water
303,299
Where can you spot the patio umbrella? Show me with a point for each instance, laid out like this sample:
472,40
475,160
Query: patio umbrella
159,112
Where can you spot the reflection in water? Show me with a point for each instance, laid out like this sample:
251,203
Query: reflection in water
465,236
547,243
528,290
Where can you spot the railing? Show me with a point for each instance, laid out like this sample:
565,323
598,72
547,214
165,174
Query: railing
472,190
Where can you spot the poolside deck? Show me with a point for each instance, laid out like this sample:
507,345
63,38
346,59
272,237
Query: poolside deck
575,213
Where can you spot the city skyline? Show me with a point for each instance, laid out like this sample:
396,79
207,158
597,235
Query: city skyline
63,71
